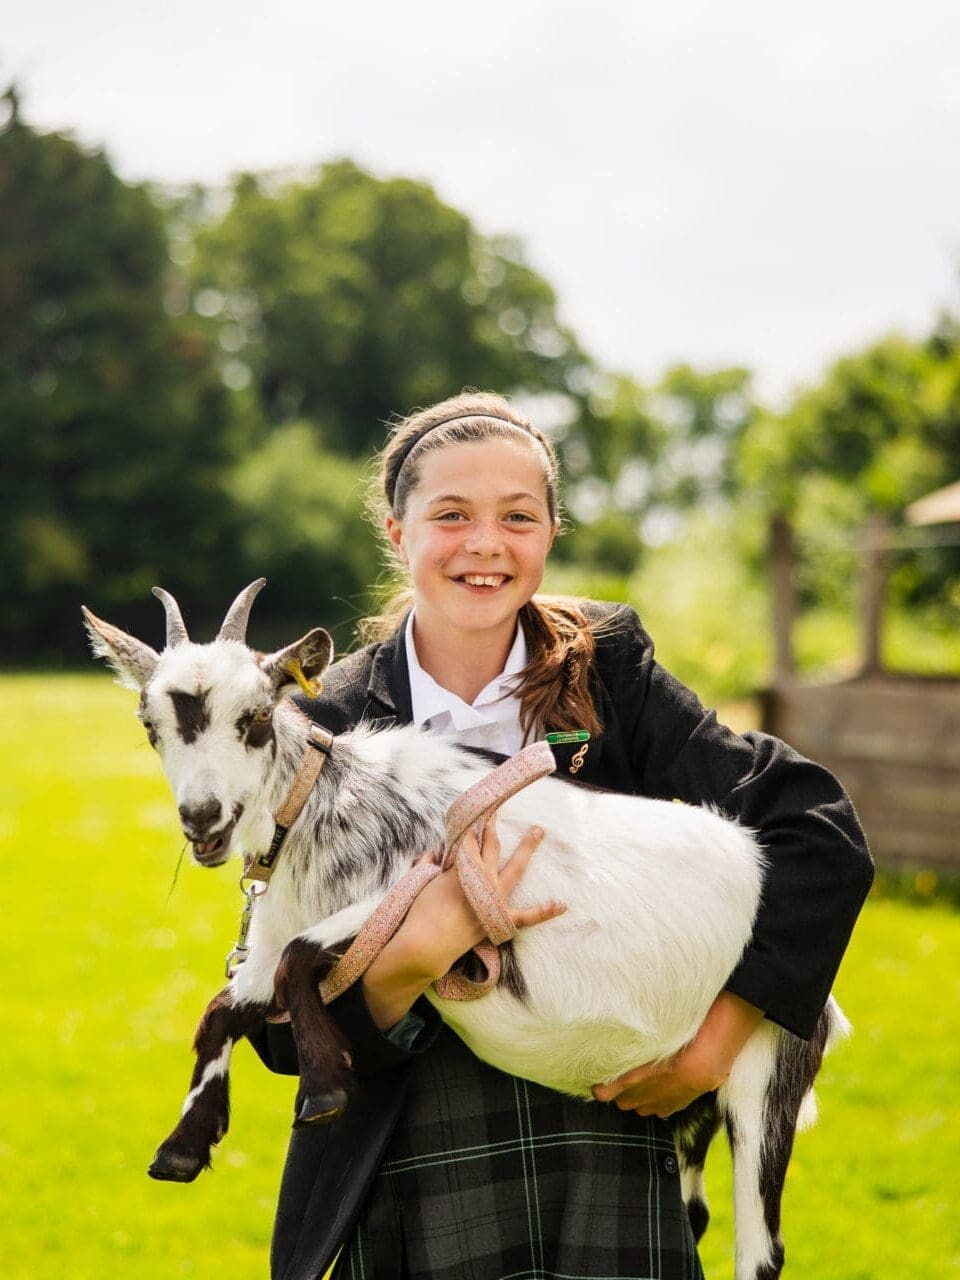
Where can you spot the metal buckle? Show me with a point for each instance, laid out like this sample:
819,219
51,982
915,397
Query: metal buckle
251,890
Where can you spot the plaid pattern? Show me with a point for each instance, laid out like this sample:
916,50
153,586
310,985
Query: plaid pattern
489,1177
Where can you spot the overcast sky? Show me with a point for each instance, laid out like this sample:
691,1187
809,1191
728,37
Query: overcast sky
719,181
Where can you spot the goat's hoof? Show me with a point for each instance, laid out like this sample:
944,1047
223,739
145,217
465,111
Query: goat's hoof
175,1166
320,1108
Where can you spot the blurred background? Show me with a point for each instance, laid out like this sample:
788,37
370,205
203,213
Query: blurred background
713,249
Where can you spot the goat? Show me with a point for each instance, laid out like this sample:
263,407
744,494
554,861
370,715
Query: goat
661,901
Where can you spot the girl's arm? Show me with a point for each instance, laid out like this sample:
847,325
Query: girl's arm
662,1088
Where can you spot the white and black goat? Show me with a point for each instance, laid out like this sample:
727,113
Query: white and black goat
661,900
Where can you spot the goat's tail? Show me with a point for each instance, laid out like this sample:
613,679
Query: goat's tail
838,1028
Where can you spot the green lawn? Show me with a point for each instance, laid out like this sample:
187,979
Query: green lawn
107,972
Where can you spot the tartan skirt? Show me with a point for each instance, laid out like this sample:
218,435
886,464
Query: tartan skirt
489,1177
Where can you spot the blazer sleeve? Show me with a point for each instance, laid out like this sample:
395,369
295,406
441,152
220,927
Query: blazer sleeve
372,1049
819,868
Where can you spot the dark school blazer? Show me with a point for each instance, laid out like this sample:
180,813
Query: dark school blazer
658,741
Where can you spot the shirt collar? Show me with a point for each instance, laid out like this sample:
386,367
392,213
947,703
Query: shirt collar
492,703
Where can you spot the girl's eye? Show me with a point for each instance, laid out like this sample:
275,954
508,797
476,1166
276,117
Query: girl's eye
451,516
520,517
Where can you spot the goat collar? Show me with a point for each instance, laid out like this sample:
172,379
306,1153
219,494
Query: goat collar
260,866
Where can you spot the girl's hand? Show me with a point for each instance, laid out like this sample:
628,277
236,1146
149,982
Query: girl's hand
441,926
661,1088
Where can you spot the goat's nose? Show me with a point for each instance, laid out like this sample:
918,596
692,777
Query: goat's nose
198,819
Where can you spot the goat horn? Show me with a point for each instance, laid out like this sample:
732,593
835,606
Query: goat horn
234,625
176,628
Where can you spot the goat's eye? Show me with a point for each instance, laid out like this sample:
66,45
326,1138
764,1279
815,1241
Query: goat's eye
256,727
151,731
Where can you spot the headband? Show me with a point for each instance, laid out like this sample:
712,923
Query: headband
445,422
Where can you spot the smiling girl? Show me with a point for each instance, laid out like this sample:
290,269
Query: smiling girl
443,1166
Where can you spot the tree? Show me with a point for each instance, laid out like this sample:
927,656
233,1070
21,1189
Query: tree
641,460
350,297
112,416
706,414
302,525
881,430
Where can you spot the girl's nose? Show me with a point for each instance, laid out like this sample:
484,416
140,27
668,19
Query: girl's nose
484,538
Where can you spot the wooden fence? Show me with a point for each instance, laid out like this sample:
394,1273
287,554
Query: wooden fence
894,743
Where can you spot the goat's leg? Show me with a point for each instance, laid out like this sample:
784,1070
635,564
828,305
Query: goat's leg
206,1111
761,1103
326,1079
748,1103
694,1129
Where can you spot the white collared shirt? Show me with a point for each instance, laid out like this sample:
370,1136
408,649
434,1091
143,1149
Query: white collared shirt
491,721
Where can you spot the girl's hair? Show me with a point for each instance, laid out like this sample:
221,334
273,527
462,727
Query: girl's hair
555,684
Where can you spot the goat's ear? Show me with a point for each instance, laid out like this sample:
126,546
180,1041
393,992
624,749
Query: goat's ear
132,660
308,657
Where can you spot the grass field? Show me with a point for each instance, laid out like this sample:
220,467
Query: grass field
107,971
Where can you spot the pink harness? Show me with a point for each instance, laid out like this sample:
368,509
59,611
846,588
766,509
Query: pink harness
471,810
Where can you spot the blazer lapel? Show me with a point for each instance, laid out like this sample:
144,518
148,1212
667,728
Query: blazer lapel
388,689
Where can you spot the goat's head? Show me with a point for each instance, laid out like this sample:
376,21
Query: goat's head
208,710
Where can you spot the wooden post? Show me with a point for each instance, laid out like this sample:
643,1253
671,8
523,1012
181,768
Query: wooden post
875,542
782,557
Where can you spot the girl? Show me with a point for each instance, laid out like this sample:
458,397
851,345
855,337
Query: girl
442,1166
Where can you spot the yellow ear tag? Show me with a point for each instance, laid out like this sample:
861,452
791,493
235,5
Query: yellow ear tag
295,669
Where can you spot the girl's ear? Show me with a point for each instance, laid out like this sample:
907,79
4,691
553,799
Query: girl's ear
395,533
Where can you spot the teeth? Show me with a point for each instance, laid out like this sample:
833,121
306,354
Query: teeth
475,580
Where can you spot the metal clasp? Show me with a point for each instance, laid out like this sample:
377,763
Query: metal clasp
251,890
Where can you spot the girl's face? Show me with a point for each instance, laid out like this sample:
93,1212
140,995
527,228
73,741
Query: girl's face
475,536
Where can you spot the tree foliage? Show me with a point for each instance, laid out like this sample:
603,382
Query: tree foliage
642,460
112,418
881,430
885,422
191,383
350,298
302,525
